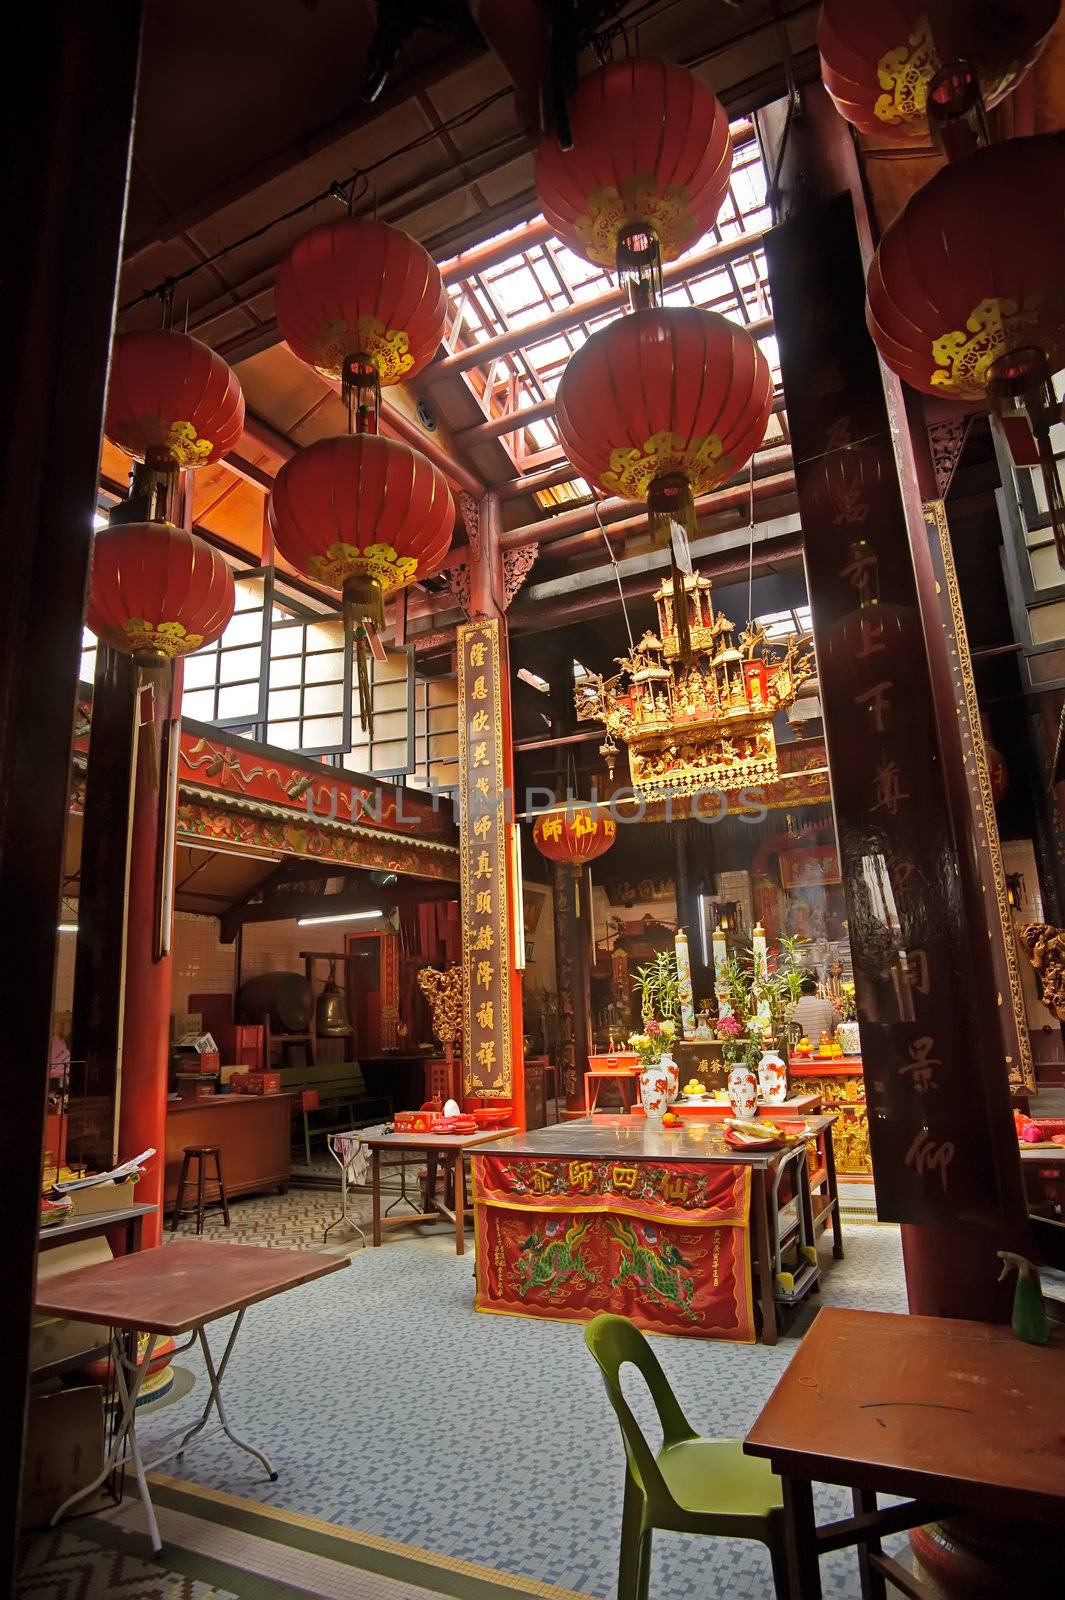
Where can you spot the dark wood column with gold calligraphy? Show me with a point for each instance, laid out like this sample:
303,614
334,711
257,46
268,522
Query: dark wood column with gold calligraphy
493,1054
944,1152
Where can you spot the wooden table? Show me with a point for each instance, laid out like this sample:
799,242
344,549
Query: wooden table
959,1415
626,1078
174,1289
452,1147
252,1131
130,1218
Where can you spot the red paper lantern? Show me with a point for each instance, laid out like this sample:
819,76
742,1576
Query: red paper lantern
660,392
171,400
651,151
363,514
665,404
358,287
966,293
157,592
878,59
971,270
574,834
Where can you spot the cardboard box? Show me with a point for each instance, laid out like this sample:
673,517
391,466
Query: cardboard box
183,1023
54,1338
103,1197
64,1449
413,1121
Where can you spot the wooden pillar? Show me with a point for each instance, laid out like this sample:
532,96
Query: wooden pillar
69,171
944,1152
493,1054
573,965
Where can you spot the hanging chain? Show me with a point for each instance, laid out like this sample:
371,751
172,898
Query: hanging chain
617,574
750,554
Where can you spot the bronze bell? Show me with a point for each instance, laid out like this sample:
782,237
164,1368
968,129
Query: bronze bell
331,1012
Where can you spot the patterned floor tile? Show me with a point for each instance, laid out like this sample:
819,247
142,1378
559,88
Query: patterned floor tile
390,1406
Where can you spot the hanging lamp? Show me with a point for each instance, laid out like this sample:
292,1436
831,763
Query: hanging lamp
574,834
966,293
890,65
364,515
647,171
663,405
172,402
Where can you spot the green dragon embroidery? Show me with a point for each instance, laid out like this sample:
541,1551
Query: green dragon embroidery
662,1274
547,1261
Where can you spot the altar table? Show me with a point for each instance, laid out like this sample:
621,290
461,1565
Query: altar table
670,1227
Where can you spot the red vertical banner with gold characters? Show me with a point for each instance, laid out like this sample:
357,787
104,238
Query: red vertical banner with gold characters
389,991
487,956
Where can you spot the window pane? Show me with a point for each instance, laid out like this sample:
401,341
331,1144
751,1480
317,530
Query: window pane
199,704
323,699
244,627
235,666
285,673
286,734
201,669
326,667
320,732
241,701
249,594
283,703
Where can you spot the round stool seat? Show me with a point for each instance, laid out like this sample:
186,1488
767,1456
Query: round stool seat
202,1155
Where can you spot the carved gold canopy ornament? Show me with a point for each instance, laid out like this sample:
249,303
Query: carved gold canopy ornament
1044,945
707,724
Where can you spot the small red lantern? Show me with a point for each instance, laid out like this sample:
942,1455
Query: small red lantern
365,515
171,400
966,293
665,404
882,60
157,592
574,834
649,165
356,298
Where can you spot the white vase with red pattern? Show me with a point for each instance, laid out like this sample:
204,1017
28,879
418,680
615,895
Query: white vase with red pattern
743,1091
654,1091
668,1067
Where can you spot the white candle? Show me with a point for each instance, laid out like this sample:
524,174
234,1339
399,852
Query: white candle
684,984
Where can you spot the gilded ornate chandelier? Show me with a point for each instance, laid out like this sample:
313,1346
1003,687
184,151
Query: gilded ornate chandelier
702,724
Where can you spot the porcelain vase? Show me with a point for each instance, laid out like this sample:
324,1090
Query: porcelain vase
743,1091
654,1091
669,1068
772,1078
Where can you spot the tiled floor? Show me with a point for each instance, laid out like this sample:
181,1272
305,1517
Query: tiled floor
390,1406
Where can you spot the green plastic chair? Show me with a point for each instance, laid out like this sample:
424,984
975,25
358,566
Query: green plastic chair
693,1485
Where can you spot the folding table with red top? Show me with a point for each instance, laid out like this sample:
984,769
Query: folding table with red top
174,1289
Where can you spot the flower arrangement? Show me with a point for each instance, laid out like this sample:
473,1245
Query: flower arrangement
745,989
658,984
654,1042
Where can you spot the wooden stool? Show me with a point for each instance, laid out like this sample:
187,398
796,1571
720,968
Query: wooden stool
200,1153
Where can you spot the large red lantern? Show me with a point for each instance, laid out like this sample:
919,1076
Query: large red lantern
365,515
157,592
574,834
966,293
663,405
882,59
649,164
355,295
171,400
